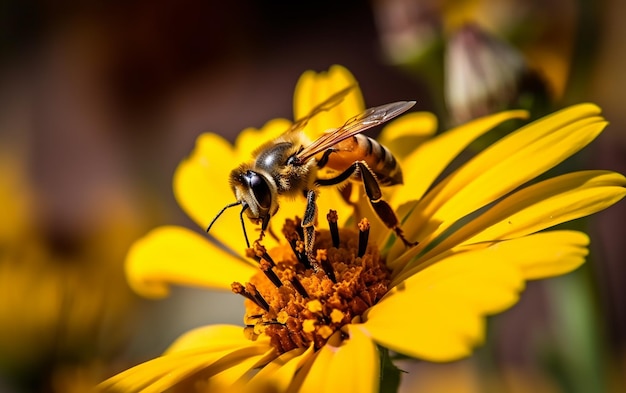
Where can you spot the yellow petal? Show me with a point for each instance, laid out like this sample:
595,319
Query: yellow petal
551,202
540,255
512,161
144,376
502,167
238,376
540,206
176,255
547,254
404,134
162,373
250,139
428,160
202,190
350,365
356,364
313,88
316,369
209,338
438,313
279,374
215,338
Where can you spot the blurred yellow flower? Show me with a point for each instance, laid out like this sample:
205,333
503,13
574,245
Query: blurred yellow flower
480,233
60,296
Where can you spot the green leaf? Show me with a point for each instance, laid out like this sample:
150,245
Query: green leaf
389,373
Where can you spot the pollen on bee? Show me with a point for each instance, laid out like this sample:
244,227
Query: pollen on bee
296,305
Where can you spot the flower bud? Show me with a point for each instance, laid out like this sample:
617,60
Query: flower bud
484,74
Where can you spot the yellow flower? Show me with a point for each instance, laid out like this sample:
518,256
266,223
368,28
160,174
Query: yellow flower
479,232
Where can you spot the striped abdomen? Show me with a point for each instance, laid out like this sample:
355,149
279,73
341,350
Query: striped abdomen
362,148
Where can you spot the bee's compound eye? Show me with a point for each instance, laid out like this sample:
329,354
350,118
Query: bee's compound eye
260,189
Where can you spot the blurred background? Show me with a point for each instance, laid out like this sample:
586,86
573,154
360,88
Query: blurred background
99,102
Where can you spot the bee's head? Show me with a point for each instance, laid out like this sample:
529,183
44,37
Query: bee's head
257,193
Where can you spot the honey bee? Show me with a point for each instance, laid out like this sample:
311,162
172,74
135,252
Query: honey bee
289,166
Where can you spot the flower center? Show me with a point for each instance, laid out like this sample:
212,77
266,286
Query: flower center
297,302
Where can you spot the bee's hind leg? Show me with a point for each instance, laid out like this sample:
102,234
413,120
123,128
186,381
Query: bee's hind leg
386,213
381,207
374,194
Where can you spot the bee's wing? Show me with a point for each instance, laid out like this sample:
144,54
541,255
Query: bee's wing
324,106
369,118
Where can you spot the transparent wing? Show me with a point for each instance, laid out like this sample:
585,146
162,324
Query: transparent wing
369,118
324,106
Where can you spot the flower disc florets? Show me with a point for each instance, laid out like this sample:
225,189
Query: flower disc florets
296,302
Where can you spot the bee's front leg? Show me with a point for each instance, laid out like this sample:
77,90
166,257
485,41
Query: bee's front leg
308,224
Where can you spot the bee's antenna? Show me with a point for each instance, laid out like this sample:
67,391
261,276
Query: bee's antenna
245,207
222,211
